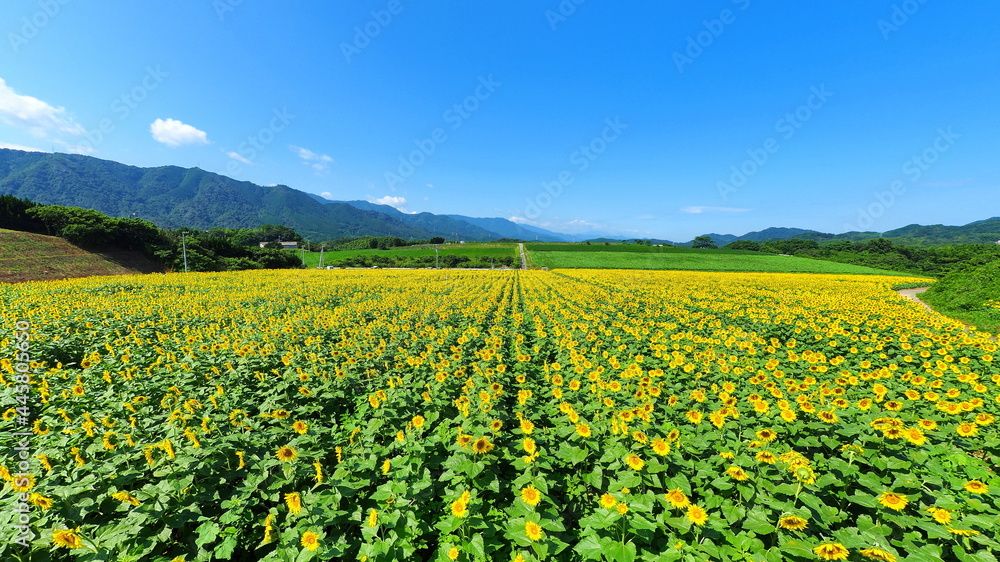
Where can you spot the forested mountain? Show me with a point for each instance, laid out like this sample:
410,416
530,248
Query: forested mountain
172,197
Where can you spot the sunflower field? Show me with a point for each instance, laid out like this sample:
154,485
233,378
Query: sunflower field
496,415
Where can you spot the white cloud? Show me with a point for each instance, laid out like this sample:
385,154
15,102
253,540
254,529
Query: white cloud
518,220
326,195
398,202
34,115
174,133
21,147
319,162
236,156
699,210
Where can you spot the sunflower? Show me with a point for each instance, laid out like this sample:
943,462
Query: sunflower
766,435
963,532
300,427
608,501
893,501
967,429
737,473
696,515
634,462
496,425
464,440
942,516
286,454
66,538
832,551
40,500
126,497
976,487
583,430
482,446
460,507
914,435
533,530
677,498
767,457
373,517
310,540
453,553
22,483
294,502
878,554
418,421
280,414
622,508
527,427
531,495
793,522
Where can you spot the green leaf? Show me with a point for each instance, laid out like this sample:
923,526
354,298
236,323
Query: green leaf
618,551
477,547
207,532
225,549
589,548
758,522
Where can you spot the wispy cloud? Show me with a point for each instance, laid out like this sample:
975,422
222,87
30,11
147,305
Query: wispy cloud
236,156
20,147
699,210
37,117
174,133
326,195
319,162
399,203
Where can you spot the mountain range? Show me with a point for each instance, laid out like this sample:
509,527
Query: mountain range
174,197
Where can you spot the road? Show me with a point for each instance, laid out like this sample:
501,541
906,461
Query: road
524,259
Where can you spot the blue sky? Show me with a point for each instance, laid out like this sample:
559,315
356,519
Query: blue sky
643,119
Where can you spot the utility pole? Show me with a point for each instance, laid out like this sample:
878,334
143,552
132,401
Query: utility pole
185,249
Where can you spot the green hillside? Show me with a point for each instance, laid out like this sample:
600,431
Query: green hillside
174,197
971,295
35,257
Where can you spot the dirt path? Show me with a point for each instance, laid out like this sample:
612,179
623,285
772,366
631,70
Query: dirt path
524,259
912,295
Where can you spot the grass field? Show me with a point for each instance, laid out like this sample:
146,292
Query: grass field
473,251
693,260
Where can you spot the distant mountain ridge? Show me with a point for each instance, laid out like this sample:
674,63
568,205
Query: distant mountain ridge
173,197
979,232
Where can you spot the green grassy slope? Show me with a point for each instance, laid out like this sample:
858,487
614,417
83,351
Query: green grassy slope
966,295
705,260
34,257
470,250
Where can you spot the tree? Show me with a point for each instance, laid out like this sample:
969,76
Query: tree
703,242
436,240
743,245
